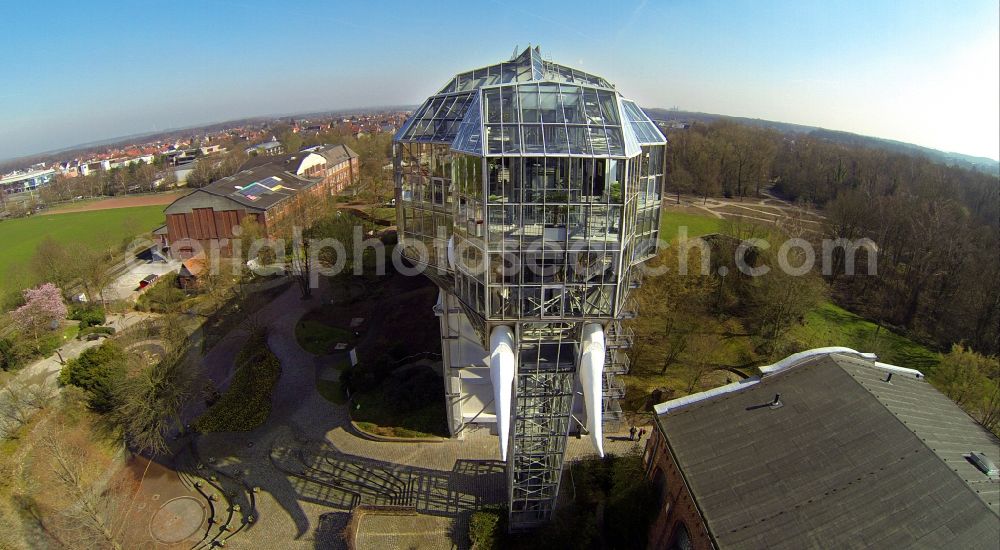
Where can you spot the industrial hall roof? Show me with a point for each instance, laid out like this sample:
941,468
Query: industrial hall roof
837,450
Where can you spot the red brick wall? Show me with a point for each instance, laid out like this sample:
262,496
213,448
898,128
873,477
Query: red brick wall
677,507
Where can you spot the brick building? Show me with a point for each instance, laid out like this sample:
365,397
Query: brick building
826,449
264,188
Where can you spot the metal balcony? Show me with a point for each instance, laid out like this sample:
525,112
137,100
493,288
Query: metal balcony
617,362
618,336
614,388
629,309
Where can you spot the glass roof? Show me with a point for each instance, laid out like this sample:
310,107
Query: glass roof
645,131
529,106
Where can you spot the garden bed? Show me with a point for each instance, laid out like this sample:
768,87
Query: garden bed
246,404
320,338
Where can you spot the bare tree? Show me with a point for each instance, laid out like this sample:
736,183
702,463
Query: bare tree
93,515
150,403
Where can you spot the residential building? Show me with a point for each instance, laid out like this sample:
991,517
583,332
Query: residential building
529,191
826,449
20,182
268,148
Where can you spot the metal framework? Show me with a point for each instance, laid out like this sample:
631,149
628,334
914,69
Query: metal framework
530,191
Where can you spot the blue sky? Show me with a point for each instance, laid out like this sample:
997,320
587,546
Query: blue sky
922,72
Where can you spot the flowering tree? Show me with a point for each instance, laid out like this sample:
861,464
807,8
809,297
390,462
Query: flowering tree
43,308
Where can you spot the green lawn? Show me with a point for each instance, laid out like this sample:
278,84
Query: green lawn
829,325
376,413
697,224
320,338
99,229
331,390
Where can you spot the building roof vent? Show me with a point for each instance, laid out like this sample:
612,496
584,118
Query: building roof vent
983,462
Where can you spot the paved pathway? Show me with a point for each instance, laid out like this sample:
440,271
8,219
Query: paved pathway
769,209
46,371
308,462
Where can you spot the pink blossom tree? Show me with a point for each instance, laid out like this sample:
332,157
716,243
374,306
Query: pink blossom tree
42,310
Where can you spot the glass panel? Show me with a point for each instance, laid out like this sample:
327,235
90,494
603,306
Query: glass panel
555,139
508,103
494,139
511,139
608,107
548,103
528,99
533,138
591,107
578,142
572,100
615,145
598,141
492,105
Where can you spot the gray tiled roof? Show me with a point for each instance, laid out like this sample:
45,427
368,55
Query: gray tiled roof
335,154
837,465
289,185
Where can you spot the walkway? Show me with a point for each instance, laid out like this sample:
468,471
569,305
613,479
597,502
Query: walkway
46,371
307,460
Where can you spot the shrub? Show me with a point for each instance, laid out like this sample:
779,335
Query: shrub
95,330
246,404
11,355
484,529
162,297
88,315
99,370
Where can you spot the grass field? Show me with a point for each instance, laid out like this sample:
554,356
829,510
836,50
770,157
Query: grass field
320,338
829,325
697,224
101,228
731,346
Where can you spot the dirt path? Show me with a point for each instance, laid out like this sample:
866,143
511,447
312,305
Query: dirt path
116,202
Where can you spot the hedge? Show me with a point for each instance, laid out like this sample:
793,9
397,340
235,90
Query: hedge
94,330
88,315
246,404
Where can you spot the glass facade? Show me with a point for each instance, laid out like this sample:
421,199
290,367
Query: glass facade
531,190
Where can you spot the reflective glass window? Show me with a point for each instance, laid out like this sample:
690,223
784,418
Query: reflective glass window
608,107
555,139
492,105
548,103
578,140
533,138
528,98
508,104
572,100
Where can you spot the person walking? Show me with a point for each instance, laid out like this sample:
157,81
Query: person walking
642,432
631,434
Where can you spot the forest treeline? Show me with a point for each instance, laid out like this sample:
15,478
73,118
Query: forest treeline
936,227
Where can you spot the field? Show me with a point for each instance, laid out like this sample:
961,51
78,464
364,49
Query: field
829,325
696,224
115,202
98,228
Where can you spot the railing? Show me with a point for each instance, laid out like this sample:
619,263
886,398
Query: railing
617,362
613,386
629,309
619,337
